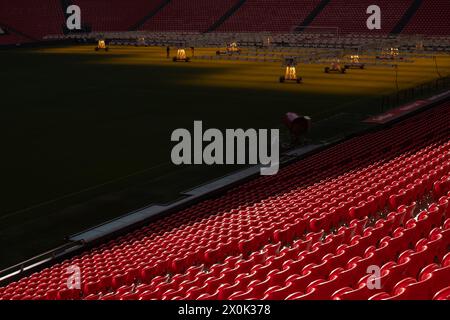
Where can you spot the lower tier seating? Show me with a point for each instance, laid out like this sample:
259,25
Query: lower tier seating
11,39
312,231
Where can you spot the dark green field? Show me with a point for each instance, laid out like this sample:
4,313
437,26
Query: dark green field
85,136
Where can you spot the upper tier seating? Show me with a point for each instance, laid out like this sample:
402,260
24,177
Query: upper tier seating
351,16
268,15
432,18
114,15
35,18
192,15
309,232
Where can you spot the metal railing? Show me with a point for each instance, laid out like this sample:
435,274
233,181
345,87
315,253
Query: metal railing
423,90
20,269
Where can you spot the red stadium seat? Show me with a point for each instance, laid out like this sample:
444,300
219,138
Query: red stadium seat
315,235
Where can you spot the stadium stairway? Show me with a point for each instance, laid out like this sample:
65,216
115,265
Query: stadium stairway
310,232
227,14
253,16
407,17
310,18
188,16
149,15
64,5
12,35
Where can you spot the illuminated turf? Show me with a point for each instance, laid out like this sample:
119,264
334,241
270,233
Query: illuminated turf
100,122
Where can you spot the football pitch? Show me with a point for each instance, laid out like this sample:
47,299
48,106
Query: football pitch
86,135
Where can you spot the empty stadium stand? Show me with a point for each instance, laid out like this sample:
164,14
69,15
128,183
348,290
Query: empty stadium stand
312,15
432,18
115,15
407,16
226,15
12,37
253,16
34,18
351,17
309,232
193,15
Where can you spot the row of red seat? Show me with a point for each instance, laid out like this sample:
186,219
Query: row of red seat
190,16
33,18
314,211
268,15
12,38
351,17
430,19
356,226
37,19
114,15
